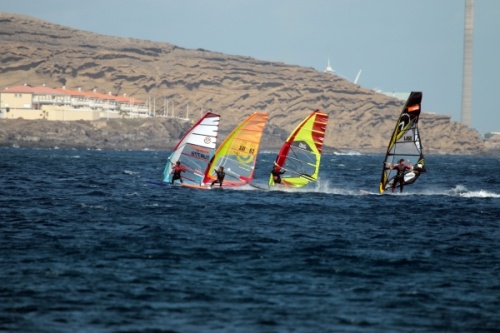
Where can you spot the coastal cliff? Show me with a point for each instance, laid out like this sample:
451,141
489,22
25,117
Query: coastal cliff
37,52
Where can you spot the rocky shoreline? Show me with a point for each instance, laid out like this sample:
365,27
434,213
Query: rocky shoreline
144,134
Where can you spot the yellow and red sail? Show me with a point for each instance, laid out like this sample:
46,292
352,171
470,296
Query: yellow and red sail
300,155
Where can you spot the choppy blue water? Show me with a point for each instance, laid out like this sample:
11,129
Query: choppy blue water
88,245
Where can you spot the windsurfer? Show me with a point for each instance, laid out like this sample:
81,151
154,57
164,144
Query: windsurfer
276,172
176,172
220,176
401,168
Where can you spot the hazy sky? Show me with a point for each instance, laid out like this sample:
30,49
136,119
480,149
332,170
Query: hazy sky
400,45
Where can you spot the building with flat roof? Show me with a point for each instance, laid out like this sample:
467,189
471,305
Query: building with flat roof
65,104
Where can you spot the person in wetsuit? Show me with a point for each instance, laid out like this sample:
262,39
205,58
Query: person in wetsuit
176,172
401,168
276,172
220,176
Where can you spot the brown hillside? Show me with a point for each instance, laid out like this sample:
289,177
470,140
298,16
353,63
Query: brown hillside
38,52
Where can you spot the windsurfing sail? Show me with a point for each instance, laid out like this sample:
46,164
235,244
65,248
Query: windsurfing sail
195,150
405,144
238,153
300,155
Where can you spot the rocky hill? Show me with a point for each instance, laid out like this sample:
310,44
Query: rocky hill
38,52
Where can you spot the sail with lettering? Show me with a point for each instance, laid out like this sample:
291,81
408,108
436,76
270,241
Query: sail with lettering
300,155
238,153
195,150
405,143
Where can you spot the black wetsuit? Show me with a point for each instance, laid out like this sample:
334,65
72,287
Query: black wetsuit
220,177
400,177
177,173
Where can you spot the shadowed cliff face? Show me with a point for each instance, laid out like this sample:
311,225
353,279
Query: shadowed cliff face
195,81
132,134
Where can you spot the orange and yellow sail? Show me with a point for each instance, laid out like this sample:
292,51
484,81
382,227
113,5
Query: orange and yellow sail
238,153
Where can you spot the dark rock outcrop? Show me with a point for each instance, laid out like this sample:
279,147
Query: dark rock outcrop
133,134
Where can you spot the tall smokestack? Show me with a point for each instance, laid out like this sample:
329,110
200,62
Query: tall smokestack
467,71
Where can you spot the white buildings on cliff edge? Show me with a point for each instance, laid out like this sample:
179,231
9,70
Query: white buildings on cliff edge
64,104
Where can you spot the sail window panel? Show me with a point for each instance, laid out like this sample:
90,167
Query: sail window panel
405,148
235,168
193,152
192,174
301,161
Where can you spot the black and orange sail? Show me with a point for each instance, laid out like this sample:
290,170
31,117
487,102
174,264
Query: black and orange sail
405,144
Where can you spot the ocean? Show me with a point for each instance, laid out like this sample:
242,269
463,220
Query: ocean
89,244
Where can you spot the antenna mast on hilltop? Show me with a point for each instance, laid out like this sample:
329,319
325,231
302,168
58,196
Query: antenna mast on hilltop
357,77
467,70
329,68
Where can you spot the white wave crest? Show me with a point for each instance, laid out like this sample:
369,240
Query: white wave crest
462,191
347,153
480,194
